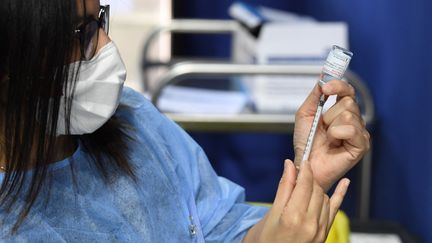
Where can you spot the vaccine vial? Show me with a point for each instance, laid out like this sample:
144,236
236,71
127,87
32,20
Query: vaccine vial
335,65
334,68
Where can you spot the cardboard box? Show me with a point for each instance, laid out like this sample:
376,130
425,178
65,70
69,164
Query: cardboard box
286,43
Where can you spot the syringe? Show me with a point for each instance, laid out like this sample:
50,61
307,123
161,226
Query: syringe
334,68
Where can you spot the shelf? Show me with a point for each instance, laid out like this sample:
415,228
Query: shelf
271,123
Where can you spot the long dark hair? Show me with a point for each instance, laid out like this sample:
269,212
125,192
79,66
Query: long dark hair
36,41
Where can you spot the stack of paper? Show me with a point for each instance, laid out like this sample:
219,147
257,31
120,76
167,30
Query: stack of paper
201,101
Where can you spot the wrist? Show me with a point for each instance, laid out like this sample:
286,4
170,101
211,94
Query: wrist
254,233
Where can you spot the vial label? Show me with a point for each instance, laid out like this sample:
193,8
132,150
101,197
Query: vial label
336,64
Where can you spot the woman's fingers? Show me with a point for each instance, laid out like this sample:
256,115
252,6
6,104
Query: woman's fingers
323,220
355,141
316,202
314,212
295,216
302,193
308,213
344,121
337,198
339,88
345,107
348,126
347,118
334,87
286,186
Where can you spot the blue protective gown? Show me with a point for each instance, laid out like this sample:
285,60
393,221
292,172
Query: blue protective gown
178,197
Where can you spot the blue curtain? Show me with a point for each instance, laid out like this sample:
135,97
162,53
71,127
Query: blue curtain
393,45
392,42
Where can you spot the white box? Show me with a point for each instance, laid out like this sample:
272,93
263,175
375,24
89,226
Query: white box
286,43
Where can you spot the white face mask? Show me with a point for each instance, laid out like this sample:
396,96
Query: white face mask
97,92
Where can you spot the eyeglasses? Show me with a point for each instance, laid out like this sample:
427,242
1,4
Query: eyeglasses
88,32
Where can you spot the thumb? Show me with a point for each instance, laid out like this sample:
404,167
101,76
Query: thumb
309,106
286,186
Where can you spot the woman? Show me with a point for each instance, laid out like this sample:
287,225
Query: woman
83,159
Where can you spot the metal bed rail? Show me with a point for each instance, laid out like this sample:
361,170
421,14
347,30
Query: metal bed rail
185,26
187,70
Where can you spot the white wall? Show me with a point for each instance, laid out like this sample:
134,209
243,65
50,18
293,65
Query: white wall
131,21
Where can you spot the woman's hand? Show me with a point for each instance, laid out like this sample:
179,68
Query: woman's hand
301,212
341,139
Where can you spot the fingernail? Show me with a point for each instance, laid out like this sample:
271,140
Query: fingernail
347,183
285,164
